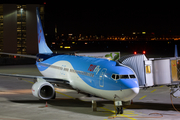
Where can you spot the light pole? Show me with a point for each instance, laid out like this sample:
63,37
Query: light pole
21,29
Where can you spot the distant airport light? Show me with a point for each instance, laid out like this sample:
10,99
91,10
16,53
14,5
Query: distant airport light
134,33
67,47
143,32
15,57
44,3
53,43
61,46
135,52
144,52
85,43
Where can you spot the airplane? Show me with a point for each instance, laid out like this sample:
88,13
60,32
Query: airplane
95,76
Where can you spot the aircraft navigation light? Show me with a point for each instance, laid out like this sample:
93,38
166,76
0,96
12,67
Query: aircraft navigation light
144,52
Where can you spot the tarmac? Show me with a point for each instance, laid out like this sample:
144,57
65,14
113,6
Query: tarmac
18,103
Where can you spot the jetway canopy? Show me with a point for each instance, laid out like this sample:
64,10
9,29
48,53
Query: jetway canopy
136,62
155,71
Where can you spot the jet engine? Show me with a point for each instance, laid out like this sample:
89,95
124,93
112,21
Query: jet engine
43,90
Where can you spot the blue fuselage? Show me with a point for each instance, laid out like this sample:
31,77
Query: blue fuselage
100,74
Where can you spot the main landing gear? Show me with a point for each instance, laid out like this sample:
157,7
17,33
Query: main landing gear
117,104
94,105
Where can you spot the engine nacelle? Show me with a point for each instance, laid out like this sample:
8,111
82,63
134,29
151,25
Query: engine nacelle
43,90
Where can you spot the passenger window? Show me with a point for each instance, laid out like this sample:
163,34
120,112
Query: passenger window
124,77
132,76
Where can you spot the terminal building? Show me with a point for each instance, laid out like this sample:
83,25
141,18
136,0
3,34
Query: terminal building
18,28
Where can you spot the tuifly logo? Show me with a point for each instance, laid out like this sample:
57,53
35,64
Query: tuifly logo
39,39
92,67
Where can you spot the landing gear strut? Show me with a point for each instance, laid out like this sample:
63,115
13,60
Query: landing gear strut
119,110
94,105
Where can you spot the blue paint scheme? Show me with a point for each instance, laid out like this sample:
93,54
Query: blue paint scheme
43,48
99,66
83,63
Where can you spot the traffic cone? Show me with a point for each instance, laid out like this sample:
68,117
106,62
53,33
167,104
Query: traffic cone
46,104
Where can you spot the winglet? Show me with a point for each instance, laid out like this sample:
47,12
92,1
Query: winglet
43,48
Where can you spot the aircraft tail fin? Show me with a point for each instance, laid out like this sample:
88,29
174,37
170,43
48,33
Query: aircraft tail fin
176,51
42,46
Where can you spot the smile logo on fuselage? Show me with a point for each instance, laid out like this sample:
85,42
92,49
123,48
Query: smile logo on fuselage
94,68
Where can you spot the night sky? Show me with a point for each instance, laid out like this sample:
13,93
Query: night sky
112,18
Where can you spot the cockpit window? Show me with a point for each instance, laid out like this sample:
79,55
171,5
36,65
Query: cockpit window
114,76
124,76
132,76
117,77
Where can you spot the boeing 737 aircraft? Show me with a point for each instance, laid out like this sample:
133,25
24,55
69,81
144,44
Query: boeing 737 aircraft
100,77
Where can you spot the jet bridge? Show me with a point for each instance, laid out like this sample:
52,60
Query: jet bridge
154,71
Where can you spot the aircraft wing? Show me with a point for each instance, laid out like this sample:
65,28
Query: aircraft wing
27,56
51,80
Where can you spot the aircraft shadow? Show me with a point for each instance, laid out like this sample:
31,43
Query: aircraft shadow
153,106
73,105
64,102
78,106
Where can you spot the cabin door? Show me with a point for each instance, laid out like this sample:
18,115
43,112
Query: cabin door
101,77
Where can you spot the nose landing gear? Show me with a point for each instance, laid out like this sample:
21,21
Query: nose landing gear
119,110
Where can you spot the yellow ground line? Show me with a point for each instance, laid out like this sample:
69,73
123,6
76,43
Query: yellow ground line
29,81
115,113
100,107
108,110
65,95
142,97
153,90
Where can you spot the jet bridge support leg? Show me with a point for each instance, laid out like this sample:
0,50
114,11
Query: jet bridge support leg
175,91
94,105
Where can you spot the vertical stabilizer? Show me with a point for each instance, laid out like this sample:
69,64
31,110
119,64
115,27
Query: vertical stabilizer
176,51
43,48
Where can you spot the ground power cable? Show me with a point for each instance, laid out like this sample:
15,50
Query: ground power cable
173,107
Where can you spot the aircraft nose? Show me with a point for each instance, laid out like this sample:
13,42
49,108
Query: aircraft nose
135,90
130,94
131,89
